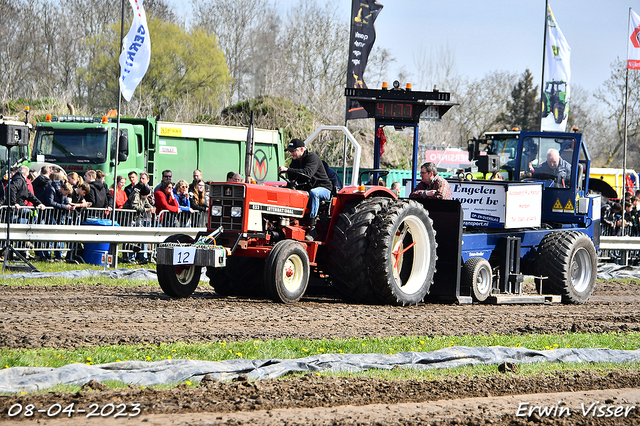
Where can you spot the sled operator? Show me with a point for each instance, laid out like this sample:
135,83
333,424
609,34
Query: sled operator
556,168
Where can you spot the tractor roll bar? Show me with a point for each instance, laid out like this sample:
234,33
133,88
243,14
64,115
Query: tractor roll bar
356,146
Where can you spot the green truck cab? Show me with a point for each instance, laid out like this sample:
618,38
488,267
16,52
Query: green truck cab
82,143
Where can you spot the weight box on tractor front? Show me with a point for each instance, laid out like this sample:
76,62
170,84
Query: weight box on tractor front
375,248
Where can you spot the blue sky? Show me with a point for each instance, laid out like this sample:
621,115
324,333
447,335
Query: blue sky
495,35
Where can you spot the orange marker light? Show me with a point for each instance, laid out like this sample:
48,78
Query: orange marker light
361,188
47,118
105,120
385,86
408,87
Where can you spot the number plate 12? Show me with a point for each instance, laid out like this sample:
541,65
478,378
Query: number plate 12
184,255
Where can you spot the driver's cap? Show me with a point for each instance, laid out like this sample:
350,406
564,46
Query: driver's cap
294,144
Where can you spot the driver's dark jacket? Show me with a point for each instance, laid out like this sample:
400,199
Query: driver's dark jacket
563,170
311,165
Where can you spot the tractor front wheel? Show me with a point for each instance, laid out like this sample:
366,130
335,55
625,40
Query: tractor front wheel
286,272
178,280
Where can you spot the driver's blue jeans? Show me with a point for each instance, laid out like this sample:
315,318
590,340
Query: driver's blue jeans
317,194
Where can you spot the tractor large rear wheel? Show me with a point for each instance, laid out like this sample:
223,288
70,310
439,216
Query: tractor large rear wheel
558,112
402,254
568,259
178,280
349,249
545,103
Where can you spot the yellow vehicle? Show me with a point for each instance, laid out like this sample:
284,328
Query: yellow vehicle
610,183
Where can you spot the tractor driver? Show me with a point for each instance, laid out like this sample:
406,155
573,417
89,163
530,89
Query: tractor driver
556,168
319,185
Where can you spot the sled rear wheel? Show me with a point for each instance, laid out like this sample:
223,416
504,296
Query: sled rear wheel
568,259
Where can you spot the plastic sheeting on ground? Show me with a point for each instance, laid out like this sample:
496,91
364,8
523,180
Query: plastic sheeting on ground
141,373
129,274
609,271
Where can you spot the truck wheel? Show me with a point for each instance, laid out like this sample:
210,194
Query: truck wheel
568,259
402,255
478,278
286,272
178,280
349,246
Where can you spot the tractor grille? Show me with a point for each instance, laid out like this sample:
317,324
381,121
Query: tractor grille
227,196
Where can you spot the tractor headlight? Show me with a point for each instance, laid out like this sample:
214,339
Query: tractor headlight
236,211
216,210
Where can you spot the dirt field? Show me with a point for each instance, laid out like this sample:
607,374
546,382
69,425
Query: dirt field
75,316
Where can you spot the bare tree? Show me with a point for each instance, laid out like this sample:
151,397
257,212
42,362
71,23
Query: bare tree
611,96
314,54
435,67
239,26
482,102
378,65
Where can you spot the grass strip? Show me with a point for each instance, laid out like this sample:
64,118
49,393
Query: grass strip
299,348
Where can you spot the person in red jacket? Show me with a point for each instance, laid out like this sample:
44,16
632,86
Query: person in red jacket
166,201
120,195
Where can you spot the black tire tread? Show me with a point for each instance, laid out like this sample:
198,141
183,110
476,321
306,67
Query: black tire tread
467,278
380,239
166,273
349,250
553,261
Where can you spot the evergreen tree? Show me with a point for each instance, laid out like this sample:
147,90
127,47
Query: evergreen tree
523,110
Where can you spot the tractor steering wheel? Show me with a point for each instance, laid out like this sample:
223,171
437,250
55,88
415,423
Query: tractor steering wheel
557,180
294,183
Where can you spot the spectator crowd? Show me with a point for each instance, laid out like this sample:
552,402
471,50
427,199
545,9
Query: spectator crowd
28,193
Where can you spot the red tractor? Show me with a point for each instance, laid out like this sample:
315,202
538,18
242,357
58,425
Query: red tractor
371,246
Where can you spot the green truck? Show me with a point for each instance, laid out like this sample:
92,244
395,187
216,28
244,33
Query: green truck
81,143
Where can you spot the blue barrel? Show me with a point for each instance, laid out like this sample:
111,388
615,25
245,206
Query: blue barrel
93,251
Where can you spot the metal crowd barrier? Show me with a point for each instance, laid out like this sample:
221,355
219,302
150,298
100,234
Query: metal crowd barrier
60,231
137,235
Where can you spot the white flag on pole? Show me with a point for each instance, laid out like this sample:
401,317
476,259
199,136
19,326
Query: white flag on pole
557,71
633,44
136,51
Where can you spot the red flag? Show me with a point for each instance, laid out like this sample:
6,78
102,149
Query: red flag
633,44
383,139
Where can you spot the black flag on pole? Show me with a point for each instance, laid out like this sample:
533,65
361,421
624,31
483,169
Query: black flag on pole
363,35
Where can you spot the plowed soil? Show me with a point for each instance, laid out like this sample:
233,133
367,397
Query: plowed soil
76,316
